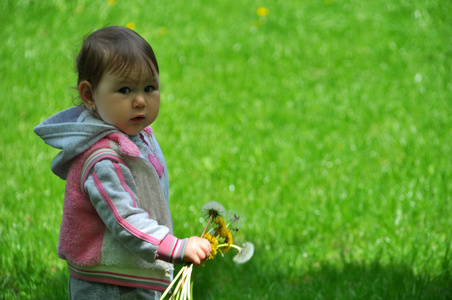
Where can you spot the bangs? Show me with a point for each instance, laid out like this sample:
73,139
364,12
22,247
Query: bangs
130,63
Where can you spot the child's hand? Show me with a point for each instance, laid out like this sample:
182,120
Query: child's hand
198,249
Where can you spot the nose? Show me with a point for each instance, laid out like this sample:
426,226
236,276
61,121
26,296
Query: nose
139,101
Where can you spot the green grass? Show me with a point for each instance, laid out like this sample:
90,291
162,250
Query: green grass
326,123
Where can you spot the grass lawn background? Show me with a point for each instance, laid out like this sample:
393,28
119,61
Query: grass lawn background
325,123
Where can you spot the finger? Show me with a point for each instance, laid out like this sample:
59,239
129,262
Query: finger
202,254
196,261
207,246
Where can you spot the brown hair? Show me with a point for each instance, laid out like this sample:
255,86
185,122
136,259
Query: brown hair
115,49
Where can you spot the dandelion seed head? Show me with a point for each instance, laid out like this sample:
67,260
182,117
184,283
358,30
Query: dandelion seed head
245,253
234,218
213,209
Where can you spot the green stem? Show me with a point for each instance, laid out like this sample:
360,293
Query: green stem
172,283
230,245
177,292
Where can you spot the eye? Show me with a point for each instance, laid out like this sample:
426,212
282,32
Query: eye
124,90
148,89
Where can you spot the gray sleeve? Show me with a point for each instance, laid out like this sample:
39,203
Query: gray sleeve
113,192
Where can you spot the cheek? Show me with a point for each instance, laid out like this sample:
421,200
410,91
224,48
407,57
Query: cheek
156,109
111,114
154,104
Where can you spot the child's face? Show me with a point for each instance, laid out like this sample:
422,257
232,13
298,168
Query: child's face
130,103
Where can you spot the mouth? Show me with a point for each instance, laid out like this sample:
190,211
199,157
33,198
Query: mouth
137,119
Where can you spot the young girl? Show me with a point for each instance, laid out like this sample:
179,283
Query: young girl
116,232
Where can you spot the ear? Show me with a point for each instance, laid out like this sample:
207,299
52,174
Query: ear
85,91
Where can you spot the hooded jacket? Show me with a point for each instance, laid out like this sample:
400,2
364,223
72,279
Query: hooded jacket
116,226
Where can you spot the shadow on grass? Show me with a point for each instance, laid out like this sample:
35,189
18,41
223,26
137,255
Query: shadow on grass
351,281
222,279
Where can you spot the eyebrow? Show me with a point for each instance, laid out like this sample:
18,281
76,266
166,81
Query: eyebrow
134,79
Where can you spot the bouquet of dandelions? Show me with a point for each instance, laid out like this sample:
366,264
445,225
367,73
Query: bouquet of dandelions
219,234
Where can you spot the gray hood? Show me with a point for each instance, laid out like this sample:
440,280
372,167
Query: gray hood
73,131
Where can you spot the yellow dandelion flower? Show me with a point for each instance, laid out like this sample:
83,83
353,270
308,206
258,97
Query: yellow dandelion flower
130,26
111,2
262,11
163,31
217,220
214,243
224,233
228,240
218,224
